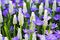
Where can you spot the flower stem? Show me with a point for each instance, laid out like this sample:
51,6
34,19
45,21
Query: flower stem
14,29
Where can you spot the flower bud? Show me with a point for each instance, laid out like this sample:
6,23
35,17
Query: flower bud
40,9
46,3
20,17
54,6
45,17
10,7
32,18
14,19
24,8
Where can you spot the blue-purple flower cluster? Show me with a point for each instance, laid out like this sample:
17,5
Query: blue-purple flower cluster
29,19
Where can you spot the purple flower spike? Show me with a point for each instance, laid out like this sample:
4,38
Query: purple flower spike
56,17
15,38
54,25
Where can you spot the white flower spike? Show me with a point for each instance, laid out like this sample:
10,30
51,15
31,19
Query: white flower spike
45,17
40,9
24,8
32,18
20,17
10,7
54,6
15,19
46,3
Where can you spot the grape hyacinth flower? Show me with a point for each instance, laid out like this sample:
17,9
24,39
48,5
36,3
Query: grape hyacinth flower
47,3
10,7
32,25
14,22
54,6
24,8
45,20
20,17
32,20
15,19
41,9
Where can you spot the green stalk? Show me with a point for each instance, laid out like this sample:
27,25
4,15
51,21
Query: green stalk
53,14
14,29
30,36
44,29
7,32
21,32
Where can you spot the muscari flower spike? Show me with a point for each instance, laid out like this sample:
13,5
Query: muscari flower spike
40,9
14,19
11,7
32,20
47,3
45,17
54,6
24,8
20,17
